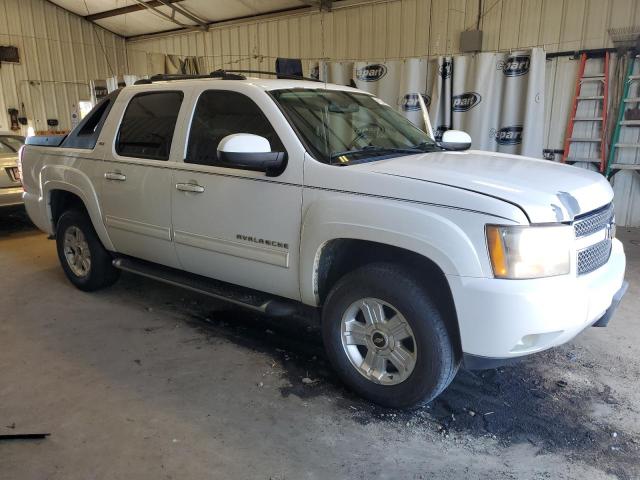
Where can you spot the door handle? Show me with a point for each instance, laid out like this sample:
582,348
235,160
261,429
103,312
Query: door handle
115,176
189,187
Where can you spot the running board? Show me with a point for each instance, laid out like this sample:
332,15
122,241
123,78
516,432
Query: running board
241,296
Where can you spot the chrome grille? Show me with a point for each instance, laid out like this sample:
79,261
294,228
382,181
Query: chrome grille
593,222
594,256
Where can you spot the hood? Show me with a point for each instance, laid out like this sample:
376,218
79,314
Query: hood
546,191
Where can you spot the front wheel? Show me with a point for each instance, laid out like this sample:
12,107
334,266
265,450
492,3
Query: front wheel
84,260
386,338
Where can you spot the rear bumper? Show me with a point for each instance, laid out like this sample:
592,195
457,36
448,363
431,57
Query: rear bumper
506,319
10,196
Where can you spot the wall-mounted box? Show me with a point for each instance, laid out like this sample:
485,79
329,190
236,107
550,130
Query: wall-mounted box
471,41
9,54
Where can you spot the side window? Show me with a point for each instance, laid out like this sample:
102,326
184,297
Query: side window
220,113
146,130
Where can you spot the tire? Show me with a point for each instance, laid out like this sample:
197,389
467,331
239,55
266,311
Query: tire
77,239
390,290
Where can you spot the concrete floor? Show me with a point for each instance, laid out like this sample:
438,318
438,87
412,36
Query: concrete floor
149,382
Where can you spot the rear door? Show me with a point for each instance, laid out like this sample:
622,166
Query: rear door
231,224
136,175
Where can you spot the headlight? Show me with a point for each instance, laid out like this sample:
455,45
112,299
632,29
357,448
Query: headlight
520,252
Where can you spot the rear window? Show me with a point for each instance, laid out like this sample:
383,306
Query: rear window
10,143
146,130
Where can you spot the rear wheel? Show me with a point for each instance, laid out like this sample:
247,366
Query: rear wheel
84,260
386,337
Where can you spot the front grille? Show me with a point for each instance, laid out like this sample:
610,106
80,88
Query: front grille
594,256
594,221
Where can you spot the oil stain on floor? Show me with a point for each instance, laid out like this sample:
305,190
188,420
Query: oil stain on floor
509,405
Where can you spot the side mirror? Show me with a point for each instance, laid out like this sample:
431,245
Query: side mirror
455,140
250,152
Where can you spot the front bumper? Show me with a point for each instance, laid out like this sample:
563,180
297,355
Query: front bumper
10,196
504,319
476,362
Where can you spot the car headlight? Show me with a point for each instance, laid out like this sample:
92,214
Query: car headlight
520,252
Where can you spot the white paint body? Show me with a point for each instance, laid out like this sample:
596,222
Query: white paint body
244,142
433,204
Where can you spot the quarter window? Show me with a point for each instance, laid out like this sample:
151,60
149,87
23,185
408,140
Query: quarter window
220,113
86,134
147,127
94,118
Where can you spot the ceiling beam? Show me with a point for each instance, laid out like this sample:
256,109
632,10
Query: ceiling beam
171,17
229,21
124,10
322,5
304,8
184,13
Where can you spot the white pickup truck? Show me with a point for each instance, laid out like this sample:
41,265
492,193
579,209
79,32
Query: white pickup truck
275,194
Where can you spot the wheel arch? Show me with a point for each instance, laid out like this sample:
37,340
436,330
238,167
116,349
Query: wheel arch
339,256
78,192
433,234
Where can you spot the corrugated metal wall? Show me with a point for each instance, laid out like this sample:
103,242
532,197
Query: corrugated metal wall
59,54
398,29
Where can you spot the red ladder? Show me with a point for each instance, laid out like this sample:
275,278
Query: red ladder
581,79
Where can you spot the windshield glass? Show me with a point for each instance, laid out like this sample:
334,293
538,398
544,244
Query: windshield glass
10,143
348,127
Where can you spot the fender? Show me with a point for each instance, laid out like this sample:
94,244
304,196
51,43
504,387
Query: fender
411,227
62,177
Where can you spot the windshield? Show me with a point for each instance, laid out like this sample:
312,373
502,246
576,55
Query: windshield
344,128
10,143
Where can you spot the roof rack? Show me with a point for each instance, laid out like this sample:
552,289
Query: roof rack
279,75
168,77
221,74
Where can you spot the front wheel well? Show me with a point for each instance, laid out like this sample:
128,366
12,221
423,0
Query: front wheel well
341,256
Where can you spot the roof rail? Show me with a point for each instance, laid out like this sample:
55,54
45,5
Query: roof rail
221,74
168,77
279,75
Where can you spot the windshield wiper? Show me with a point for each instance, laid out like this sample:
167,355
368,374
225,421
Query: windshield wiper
428,145
372,149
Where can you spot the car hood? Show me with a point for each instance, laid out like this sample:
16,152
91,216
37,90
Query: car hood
546,191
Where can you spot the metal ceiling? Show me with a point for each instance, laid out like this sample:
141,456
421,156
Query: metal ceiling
130,18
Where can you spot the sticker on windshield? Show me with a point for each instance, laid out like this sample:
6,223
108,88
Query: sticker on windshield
370,130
